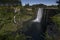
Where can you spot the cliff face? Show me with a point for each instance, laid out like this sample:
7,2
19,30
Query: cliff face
7,27
52,27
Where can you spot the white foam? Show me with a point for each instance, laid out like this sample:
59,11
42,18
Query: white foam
39,15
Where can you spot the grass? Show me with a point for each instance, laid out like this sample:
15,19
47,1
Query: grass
55,19
7,26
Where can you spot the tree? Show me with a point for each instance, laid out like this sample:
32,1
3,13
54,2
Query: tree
27,5
58,6
11,2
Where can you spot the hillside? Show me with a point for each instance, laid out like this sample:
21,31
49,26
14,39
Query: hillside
8,28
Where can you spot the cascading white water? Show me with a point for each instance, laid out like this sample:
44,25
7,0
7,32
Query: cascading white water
14,19
16,10
39,15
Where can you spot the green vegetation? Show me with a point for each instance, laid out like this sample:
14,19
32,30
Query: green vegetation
55,19
8,28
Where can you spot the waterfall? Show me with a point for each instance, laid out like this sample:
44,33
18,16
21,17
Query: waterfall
14,19
16,11
39,15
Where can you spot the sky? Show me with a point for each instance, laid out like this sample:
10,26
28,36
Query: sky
46,2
